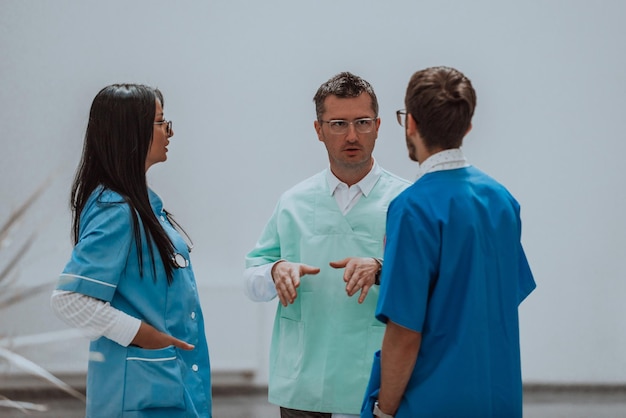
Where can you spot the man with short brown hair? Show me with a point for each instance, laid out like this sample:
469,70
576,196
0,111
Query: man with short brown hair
322,246
454,274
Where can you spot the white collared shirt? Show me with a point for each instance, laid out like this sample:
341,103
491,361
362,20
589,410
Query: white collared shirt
444,160
347,197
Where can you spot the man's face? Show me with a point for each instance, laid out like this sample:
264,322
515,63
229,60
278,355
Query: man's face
352,150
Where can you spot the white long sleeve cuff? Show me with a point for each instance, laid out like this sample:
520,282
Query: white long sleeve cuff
258,283
93,317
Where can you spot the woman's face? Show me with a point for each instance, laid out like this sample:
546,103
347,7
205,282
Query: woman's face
160,138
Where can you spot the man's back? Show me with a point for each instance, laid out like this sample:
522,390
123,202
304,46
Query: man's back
463,270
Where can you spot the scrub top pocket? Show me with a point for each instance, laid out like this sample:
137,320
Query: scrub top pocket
290,348
153,379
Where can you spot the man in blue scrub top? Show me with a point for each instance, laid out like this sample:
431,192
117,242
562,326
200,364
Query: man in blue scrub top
322,246
455,273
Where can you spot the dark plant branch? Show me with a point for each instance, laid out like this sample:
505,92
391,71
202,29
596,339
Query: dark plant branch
11,294
14,295
19,213
16,258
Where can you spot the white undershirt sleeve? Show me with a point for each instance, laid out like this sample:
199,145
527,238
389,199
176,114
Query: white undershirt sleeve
93,317
258,284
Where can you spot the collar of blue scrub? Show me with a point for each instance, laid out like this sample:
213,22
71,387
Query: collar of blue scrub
155,201
449,159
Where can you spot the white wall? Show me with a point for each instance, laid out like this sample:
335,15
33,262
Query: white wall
238,79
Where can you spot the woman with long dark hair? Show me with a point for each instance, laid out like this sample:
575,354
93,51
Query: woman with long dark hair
129,284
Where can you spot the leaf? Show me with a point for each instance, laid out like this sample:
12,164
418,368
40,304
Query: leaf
36,370
42,338
22,406
13,294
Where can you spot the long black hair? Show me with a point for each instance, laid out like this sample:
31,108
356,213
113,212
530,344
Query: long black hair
117,141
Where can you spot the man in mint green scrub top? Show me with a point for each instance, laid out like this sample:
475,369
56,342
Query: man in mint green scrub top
321,253
455,273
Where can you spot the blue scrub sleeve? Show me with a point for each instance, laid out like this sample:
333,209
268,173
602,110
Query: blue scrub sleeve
411,251
526,282
101,253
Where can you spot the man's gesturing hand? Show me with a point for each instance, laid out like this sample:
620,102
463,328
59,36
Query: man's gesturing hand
359,274
286,277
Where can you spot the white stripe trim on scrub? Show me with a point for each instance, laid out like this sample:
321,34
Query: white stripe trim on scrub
88,279
151,359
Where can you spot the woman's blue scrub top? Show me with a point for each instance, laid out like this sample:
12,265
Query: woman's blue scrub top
455,271
131,381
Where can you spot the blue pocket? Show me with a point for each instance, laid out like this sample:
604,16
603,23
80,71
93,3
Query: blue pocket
153,379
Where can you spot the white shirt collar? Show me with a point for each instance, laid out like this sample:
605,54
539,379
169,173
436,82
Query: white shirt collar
366,184
449,159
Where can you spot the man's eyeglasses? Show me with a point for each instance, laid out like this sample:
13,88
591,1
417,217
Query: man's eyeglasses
401,116
168,128
340,126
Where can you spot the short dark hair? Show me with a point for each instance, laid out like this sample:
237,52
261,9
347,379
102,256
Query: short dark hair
442,102
344,85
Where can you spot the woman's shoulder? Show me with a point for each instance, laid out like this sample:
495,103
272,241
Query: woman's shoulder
105,195
103,200
106,213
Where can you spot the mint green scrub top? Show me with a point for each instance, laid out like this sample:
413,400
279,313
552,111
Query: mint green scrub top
323,343
131,381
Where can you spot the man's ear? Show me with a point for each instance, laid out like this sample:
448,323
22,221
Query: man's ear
318,129
469,128
411,125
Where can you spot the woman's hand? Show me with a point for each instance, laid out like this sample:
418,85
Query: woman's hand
150,338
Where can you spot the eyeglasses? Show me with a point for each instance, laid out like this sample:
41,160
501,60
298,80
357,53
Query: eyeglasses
340,126
401,116
168,128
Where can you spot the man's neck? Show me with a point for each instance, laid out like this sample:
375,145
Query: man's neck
427,153
352,175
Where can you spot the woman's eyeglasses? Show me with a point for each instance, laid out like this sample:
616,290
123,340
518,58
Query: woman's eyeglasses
168,128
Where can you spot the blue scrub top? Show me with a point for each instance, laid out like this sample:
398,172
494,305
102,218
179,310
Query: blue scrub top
455,271
131,381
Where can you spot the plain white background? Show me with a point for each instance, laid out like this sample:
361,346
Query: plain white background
239,78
